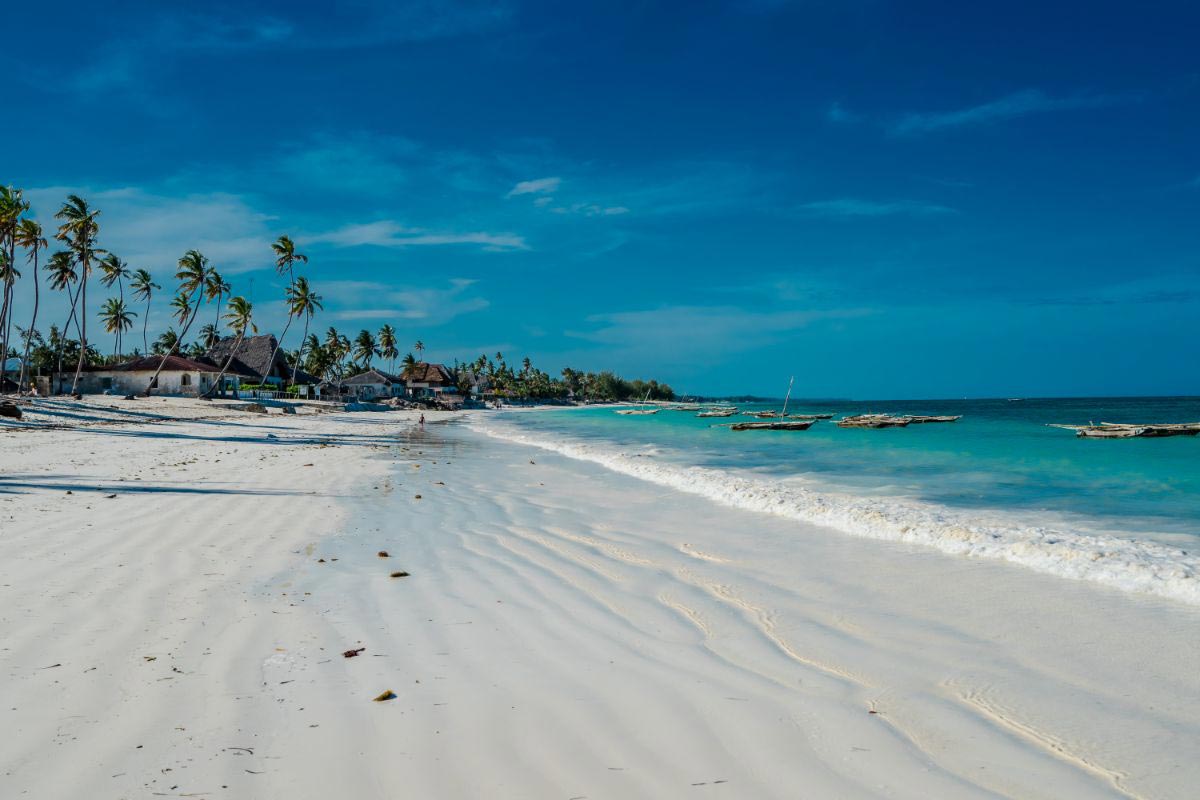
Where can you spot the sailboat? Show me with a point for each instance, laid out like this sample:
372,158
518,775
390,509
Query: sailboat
641,409
779,422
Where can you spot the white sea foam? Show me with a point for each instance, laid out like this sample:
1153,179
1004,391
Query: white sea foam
1128,564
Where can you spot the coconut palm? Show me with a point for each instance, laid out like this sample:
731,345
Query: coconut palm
8,276
192,273
79,229
215,287
302,301
143,289
29,235
167,342
419,347
117,319
285,260
364,348
114,270
12,206
61,267
387,345
410,365
239,319
209,336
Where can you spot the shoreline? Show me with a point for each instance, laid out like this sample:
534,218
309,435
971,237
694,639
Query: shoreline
564,631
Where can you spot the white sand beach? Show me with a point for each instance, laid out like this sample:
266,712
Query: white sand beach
176,595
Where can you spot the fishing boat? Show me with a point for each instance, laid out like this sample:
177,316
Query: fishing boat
641,410
874,421
810,416
686,407
921,419
718,412
762,414
777,425
1120,430
779,422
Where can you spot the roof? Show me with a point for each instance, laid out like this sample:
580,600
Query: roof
371,376
424,372
150,363
253,356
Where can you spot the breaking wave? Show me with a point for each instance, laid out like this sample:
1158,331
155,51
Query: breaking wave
1127,564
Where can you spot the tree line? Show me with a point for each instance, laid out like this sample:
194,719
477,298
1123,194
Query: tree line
78,261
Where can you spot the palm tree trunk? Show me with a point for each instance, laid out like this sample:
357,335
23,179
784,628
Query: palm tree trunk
228,361
300,352
4,320
145,324
33,323
82,322
178,341
278,344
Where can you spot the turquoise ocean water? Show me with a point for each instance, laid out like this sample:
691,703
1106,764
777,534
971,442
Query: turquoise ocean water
1037,493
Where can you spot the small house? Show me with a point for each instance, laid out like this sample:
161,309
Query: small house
179,376
426,381
372,384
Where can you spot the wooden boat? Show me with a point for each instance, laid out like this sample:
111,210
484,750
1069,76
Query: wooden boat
810,416
641,409
780,425
687,407
727,412
873,421
921,419
763,414
1111,430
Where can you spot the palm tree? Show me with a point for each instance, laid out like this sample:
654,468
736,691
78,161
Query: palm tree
79,229
117,319
285,259
215,287
143,289
8,276
238,319
61,267
167,342
364,348
29,236
209,335
410,365
302,301
12,206
192,274
420,348
114,270
387,346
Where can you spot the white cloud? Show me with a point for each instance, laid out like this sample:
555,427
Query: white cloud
152,231
1018,104
538,186
363,300
850,207
699,333
388,233
838,114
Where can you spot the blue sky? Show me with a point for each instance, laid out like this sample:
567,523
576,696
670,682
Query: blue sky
886,199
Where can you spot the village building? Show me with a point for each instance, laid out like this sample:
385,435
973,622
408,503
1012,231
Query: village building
425,381
179,376
259,357
372,384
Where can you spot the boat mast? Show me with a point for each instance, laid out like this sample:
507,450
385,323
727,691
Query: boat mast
789,396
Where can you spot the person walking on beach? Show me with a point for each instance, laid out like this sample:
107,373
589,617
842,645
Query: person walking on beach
422,421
